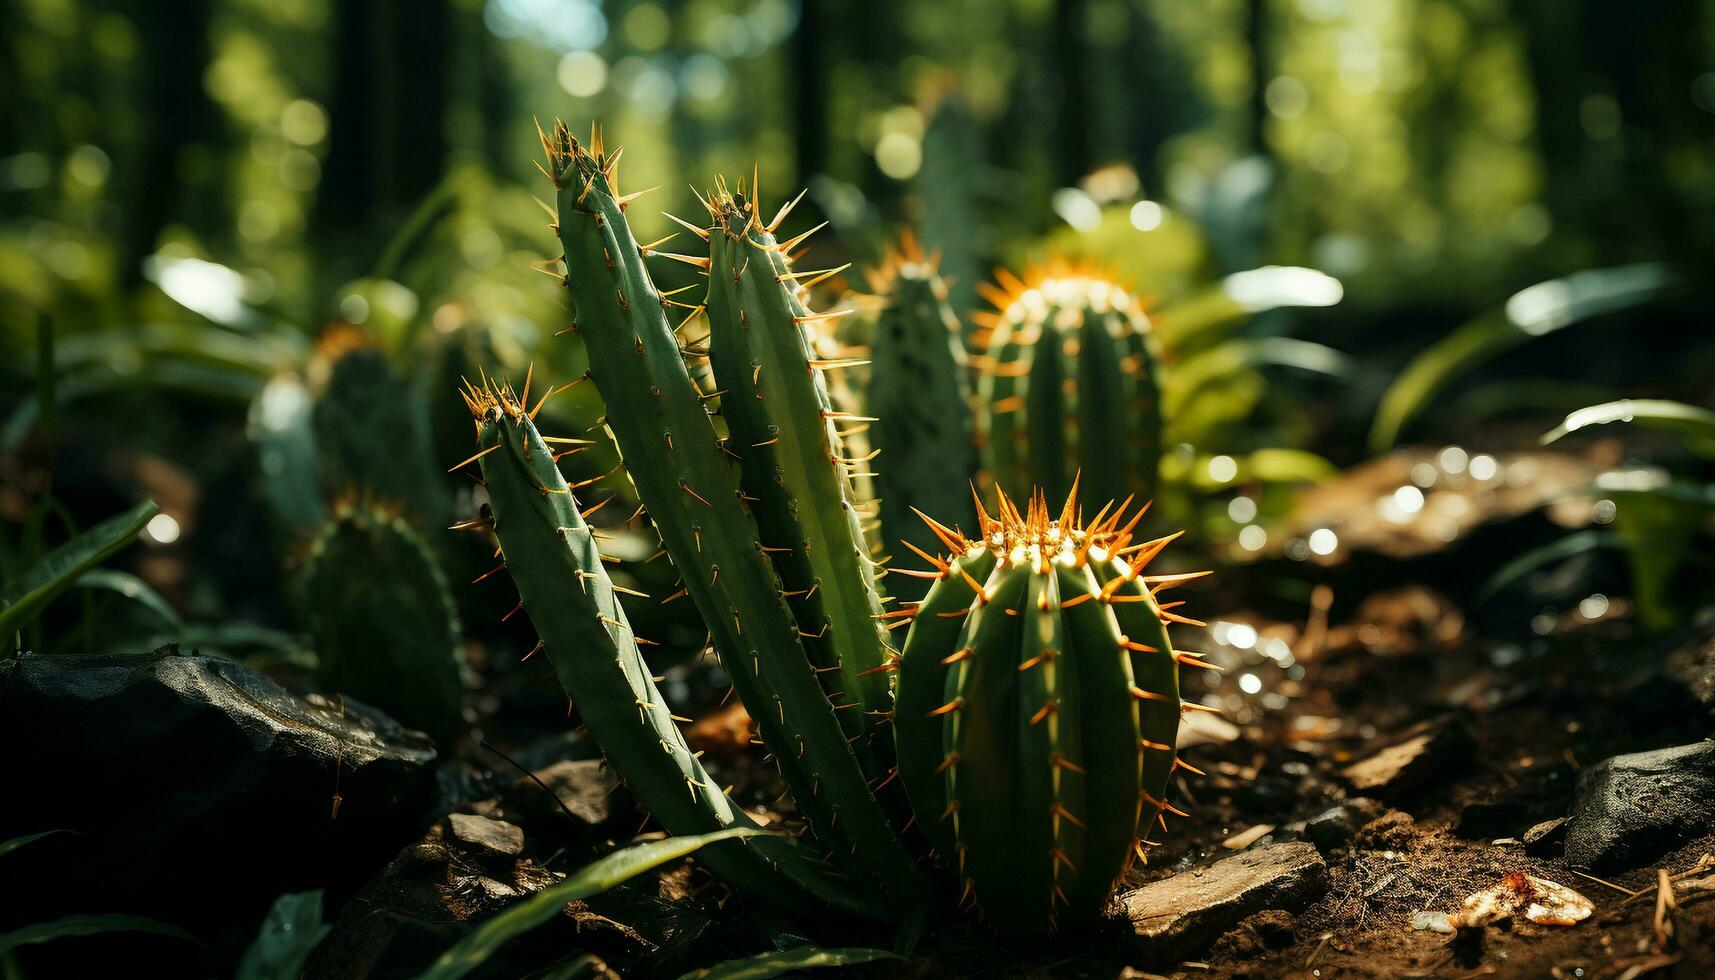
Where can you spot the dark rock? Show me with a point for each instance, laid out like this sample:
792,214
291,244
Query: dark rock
1180,916
202,789
1392,831
585,787
1692,669
1268,929
1631,809
1336,825
1487,821
491,837
1542,839
1425,752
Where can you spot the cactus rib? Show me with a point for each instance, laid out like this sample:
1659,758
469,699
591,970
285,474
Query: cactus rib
552,556
681,472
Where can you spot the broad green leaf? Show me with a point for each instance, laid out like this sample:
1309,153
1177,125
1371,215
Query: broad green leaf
766,965
289,934
85,925
8,846
1206,316
24,599
1688,420
475,949
133,588
1531,312
1536,558
1201,375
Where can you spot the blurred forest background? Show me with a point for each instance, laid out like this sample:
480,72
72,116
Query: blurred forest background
191,192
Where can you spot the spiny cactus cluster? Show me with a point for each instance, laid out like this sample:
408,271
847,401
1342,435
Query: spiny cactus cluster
1027,728
1068,386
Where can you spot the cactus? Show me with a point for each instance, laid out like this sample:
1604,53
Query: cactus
371,429
1069,386
919,393
682,473
948,217
1037,707
793,460
553,558
381,618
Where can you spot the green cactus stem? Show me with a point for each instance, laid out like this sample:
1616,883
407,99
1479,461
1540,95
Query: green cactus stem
1069,386
554,559
683,474
794,461
920,394
382,620
1038,704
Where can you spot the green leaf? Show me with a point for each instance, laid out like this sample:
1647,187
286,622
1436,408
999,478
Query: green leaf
85,925
133,588
8,846
1207,315
24,599
1688,420
1555,551
475,949
766,965
289,934
1531,312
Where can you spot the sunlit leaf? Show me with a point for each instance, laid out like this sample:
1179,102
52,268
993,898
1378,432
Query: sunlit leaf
133,588
25,598
8,846
475,949
85,925
1203,317
1688,420
1531,312
766,965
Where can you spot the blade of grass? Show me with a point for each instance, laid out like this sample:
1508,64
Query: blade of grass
24,599
85,925
1688,420
765,965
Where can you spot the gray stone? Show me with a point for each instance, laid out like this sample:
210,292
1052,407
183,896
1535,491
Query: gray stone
1336,825
1181,916
1631,809
1692,669
585,787
495,838
1542,838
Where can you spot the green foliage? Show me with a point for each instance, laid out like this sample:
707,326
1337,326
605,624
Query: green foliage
381,619
74,926
1695,426
554,558
593,879
290,933
1070,387
1532,312
920,394
682,473
30,592
371,432
288,473
765,965
1036,730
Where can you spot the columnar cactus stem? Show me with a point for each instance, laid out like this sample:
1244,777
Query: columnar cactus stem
920,395
553,557
1052,699
1069,386
782,423
682,473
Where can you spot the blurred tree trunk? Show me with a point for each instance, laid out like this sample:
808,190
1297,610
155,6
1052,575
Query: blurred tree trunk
1071,53
177,115
387,135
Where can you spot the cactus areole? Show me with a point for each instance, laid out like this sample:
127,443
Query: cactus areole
1038,702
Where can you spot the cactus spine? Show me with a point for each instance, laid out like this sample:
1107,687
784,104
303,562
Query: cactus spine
919,393
382,620
794,466
1069,387
681,470
552,556
1037,708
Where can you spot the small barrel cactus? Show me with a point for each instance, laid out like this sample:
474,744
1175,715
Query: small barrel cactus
1037,705
382,620
919,394
1069,386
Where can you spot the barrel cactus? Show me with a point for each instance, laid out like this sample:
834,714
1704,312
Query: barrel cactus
1037,705
1069,386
